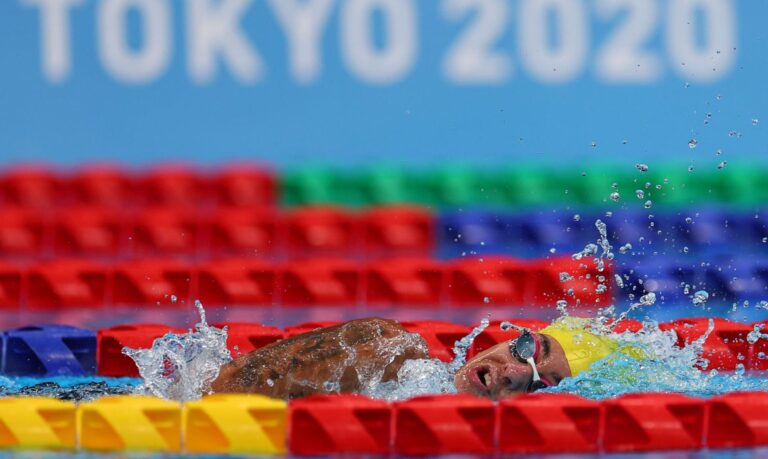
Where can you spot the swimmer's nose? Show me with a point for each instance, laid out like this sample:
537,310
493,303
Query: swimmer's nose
513,378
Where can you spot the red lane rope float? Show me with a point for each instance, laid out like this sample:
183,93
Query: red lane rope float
444,424
412,282
339,424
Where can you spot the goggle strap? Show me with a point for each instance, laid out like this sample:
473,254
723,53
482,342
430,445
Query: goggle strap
535,370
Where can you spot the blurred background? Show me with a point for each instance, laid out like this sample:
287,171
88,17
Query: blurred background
401,82
415,159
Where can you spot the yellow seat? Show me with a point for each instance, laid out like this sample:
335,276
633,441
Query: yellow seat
37,423
228,423
137,423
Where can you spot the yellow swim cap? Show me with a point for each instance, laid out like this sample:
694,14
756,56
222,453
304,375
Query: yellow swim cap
582,347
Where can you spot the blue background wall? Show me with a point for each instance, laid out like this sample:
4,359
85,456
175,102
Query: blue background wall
417,112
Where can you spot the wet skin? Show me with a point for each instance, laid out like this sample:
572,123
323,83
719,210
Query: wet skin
299,366
495,373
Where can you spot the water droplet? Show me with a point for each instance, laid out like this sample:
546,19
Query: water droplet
486,300
690,169
552,250
688,220
615,196
648,299
600,289
593,144
609,214
722,165
625,248
700,297
765,239
648,204
624,142
174,298
618,280
270,382
565,277
562,304
640,194
755,121
642,167
692,143
718,152
506,326
576,217
685,249
762,305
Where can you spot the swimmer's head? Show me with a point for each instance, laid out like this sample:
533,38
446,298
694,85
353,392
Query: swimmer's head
565,348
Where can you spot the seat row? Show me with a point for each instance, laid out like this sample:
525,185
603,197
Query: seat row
198,233
117,187
56,350
371,232
519,185
526,233
427,425
467,282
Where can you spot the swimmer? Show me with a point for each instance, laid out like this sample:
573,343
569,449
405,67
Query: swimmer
360,352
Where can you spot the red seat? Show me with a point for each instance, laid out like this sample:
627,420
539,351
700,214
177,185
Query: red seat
111,361
494,335
444,424
440,336
339,424
67,283
653,422
405,281
152,283
322,231
32,186
173,185
723,347
320,282
548,423
243,338
12,283
23,232
244,232
89,231
244,185
487,281
105,185
165,231
398,230
236,282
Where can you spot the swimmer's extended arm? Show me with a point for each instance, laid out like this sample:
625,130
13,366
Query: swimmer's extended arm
343,358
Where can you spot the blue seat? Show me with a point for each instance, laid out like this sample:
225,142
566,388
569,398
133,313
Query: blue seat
49,350
471,233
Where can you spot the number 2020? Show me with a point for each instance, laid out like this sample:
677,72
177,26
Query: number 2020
699,37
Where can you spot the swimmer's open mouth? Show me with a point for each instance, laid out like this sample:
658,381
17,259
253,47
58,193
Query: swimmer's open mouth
482,378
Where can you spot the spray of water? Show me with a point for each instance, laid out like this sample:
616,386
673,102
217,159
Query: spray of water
182,366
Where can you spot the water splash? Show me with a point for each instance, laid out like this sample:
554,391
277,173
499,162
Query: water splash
182,366
427,376
669,368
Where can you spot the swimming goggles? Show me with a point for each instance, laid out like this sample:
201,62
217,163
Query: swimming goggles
525,349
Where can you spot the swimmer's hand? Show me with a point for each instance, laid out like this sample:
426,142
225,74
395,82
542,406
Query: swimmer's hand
345,358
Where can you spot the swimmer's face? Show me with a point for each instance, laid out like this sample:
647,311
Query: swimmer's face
496,373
